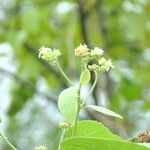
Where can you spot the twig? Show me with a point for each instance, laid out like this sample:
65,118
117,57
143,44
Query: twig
78,111
27,84
92,89
7,141
83,17
64,75
61,138
104,31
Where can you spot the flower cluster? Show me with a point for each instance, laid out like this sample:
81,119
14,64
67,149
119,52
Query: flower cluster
93,59
49,55
82,50
41,148
64,125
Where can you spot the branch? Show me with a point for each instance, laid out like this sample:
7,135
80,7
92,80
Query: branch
104,31
83,17
102,22
29,85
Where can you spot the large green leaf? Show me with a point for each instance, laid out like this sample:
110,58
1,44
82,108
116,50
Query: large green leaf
68,103
89,128
82,143
145,144
104,111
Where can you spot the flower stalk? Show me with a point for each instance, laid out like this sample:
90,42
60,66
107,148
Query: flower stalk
92,88
7,141
63,74
61,138
77,113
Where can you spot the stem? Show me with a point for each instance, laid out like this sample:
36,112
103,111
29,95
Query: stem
62,137
63,74
92,88
77,114
6,141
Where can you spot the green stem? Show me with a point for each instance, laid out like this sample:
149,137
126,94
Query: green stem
62,137
92,88
6,141
77,114
63,74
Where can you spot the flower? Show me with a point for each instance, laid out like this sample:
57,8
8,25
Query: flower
82,50
105,64
64,125
102,61
44,52
48,54
97,52
94,67
41,148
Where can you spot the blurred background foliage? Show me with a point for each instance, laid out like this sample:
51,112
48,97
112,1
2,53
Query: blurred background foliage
29,87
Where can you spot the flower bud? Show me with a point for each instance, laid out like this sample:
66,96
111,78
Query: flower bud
94,67
64,125
105,64
143,137
41,148
97,52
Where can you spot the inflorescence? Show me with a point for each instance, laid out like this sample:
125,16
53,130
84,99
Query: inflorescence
91,58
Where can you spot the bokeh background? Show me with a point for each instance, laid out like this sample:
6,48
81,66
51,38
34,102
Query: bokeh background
29,87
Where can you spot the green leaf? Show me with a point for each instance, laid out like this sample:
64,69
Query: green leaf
68,103
145,144
104,111
85,77
82,143
90,128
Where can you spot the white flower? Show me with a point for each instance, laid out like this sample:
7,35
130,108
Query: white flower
105,64
109,64
41,148
97,52
82,50
102,61
48,54
94,67
44,52
64,125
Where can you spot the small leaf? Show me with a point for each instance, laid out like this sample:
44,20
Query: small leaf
68,103
92,129
104,111
85,77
